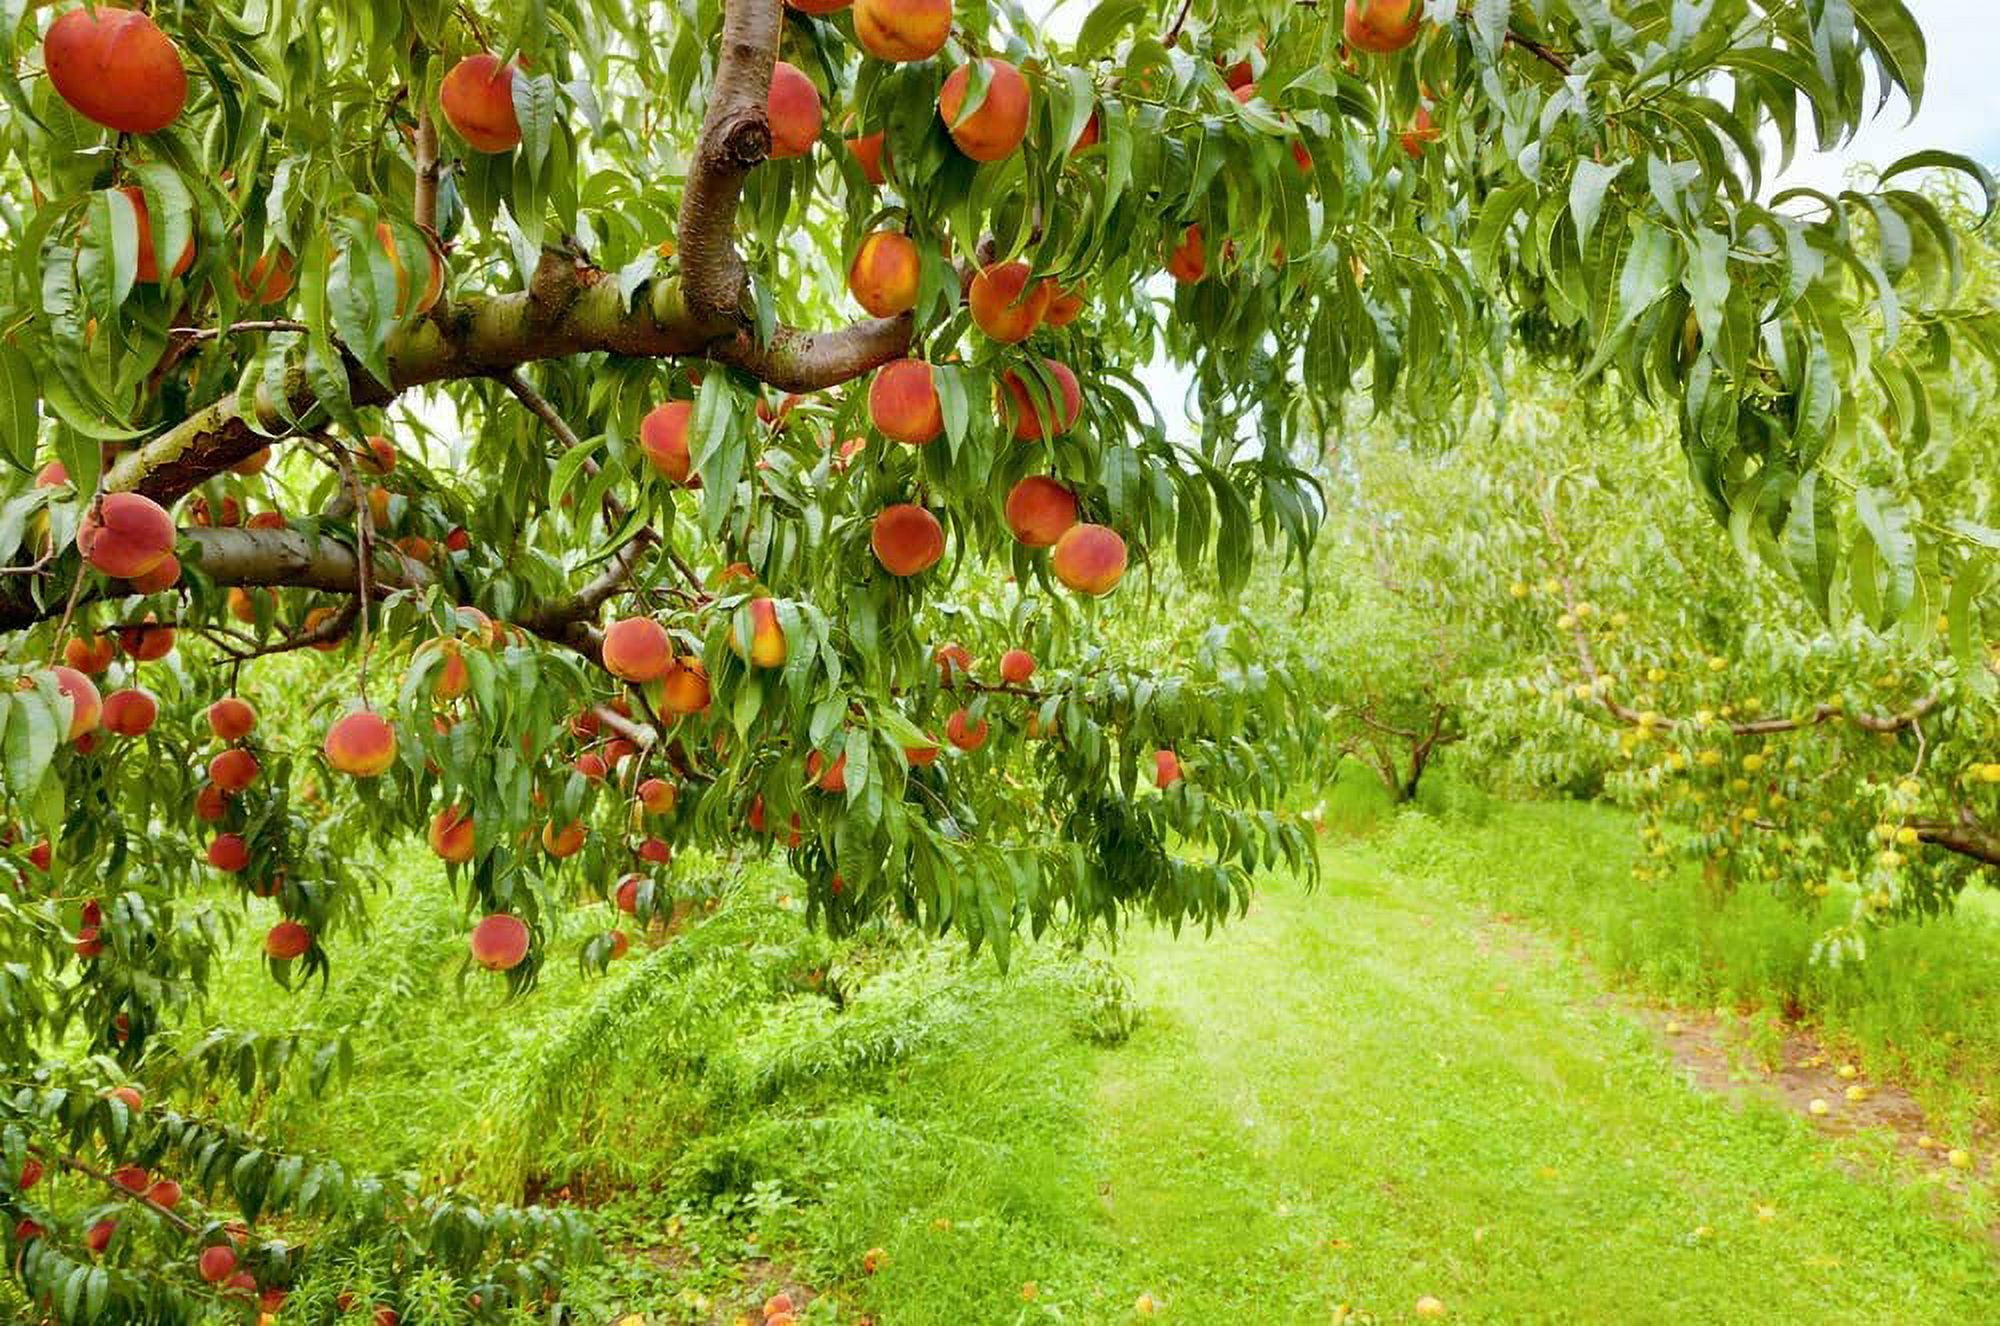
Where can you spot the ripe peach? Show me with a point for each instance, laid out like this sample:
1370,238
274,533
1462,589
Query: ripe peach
1065,306
385,236
233,770
767,637
243,604
871,151
685,688
318,619
902,30
132,1178
116,67
907,539
89,942
618,750
1089,136
500,942
361,744
99,1236
1422,130
1188,264
162,577
952,659
1007,302
477,98
663,436
963,732
216,1263
85,706
997,127
1166,768
287,940
90,654
620,944
795,113
268,280
830,777
922,756
130,712
1040,510
591,766
637,649
232,718
266,520
129,1097
126,535
903,402
1382,27
1090,559
658,795
453,677
148,270
452,834
378,456
210,804
1037,413
657,851
886,273
562,842
228,851
165,1193
1016,666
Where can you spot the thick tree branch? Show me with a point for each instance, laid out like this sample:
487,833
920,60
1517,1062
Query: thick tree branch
735,139
1965,836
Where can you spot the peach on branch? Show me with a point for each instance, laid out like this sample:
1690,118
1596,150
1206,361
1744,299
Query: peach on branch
871,151
1188,264
451,835
98,1237
1065,305
163,576
90,654
626,896
621,944
663,436
233,770
500,942
385,237
89,942
377,456
907,539
684,690
1037,413
1007,302
1090,135
362,745
453,677
1166,769
130,1097
1422,130
164,1193
477,98
85,705
243,604
563,841
1089,559
656,851
795,113
1040,511
830,777
228,852
268,281
55,474
1016,666
657,796
965,732
130,712
592,766
231,718
1382,27
952,660
902,30
287,940
903,402
216,1263
211,803
768,648
995,127
148,269
125,535
266,520
115,67
637,649
922,757
886,273
132,1178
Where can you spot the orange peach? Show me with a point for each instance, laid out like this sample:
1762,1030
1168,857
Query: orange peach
1166,769
269,279
952,659
148,269
231,718
795,113
1188,264
287,940
830,777
162,577
657,796
962,731
233,770
126,535
116,67
685,688
500,942
903,402
216,1263
871,151
1040,511
228,852
361,744
1422,130
902,30
385,236
1007,303
1039,412
995,128
563,841
1382,27
663,436
90,654
477,98
253,464
451,835
922,757
1016,666
130,712
1065,306
1090,559
637,649
886,273
146,643
907,539
767,638
378,456
85,705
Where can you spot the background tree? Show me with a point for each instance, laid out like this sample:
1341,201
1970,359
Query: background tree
480,345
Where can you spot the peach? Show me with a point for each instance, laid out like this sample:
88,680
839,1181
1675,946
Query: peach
1166,769
996,127
618,750
922,756
453,677
210,804
563,841
903,402
132,1178
233,770
829,777
216,1263
99,1236
962,731
1065,306
243,604
268,280
55,474
126,535
1016,666
90,654
767,637
129,1097
1188,264
1422,130
362,745
85,706
228,851
287,940
591,766
130,712
886,273
115,67
685,688
162,577
500,942
1089,136
385,236
657,851
1039,413
637,649
795,113
89,942
377,457
266,520
902,30
663,436
1007,302
620,944
451,835
1040,511
232,718
148,270
477,98
164,1192
1090,559
657,796
1382,27
871,151
907,539
951,660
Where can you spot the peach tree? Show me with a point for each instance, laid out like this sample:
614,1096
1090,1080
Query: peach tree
707,428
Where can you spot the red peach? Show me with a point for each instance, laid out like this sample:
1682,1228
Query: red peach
903,402
1039,413
228,852
287,940
451,835
795,113
637,649
1016,666
231,718
1040,511
126,535
886,273
1188,264
663,436
1007,302
963,732
147,272
233,770
116,67
361,744
500,942
1090,559
85,706
477,98
907,539
130,712
996,128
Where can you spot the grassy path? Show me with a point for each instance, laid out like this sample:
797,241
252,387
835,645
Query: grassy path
1363,1096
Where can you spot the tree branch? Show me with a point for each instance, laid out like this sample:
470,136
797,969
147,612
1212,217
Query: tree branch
735,139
